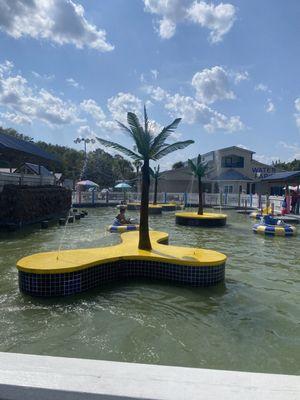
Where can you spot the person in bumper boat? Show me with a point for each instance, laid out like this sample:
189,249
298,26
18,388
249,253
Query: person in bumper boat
120,219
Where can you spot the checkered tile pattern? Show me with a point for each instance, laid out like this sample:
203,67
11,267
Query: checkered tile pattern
64,284
209,222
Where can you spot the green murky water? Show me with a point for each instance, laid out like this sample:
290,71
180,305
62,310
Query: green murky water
250,323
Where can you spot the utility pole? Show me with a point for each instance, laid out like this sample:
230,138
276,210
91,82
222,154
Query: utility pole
85,141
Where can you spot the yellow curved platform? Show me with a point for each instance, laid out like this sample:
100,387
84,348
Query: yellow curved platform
74,260
194,215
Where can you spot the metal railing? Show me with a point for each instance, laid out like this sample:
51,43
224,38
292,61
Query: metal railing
188,199
25,179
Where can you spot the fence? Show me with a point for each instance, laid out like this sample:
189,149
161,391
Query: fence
22,179
188,199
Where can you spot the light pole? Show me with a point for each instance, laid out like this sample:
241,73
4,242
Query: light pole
85,141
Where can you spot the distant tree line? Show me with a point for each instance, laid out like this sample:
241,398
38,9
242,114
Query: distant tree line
101,168
288,166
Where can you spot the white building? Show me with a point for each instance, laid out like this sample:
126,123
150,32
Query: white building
230,170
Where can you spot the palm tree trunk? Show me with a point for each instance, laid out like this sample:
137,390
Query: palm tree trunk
144,238
155,191
137,179
200,208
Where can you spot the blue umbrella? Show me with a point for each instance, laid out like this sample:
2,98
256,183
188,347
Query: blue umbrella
123,185
87,183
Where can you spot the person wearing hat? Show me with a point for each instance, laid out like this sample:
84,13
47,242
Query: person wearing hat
120,219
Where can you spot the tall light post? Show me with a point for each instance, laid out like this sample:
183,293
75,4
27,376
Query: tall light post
85,141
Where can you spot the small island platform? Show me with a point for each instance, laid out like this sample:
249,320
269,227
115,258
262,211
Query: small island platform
206,219
75,271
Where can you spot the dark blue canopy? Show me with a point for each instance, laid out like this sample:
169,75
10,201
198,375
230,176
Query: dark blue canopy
283,176
11,146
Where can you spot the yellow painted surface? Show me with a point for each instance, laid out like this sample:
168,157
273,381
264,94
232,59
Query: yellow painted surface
74,260
150,205
194,215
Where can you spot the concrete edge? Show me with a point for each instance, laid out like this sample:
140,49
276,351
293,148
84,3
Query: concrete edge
24,377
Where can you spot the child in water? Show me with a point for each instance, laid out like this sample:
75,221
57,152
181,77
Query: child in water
120,219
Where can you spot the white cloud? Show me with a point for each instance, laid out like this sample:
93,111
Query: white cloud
6,67
92,108
218,19
16,118
154,73
25,103
293,148
84,130
122,103
193,111
211,85
118,106
297,113
59,21
242,146
261,87
167,28
270,107
240,76
72,82
265,159
44,77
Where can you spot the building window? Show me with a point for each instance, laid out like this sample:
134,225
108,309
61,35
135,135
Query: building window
228,189
232,161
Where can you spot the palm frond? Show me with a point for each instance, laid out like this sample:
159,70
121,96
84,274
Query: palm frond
146,120
124,128
198,168
193,166
120,148
141,138
170,148
160,139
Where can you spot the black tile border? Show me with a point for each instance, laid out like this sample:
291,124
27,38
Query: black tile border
64,284
208,222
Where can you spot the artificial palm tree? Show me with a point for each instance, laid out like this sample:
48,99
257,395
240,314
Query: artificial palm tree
155,175
198,170
148,147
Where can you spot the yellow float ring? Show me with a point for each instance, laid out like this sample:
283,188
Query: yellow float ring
122,228
275,230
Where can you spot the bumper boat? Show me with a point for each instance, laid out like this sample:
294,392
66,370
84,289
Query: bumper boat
122,228
270,226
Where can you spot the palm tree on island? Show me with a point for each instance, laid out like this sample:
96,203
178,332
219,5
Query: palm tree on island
198,170
148,147
155,175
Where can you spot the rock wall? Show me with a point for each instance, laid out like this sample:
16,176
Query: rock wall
23,205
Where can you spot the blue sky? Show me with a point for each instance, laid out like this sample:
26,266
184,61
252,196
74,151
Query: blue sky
230,70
